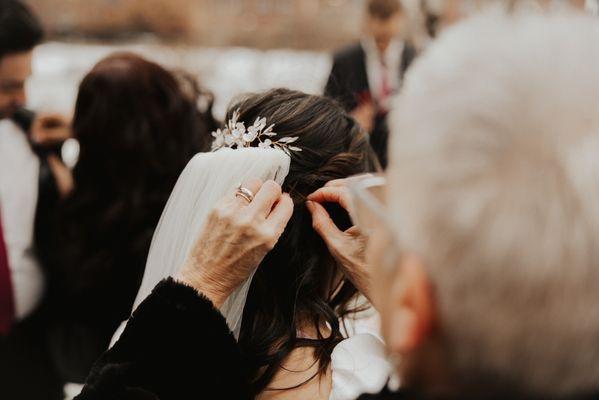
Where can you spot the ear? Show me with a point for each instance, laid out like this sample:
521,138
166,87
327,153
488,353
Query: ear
411,311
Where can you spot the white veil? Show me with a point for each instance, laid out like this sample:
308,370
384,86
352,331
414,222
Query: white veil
206,179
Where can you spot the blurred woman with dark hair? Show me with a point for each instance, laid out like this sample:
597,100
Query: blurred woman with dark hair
137,127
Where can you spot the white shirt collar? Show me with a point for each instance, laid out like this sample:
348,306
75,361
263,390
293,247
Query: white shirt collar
392,58
19,174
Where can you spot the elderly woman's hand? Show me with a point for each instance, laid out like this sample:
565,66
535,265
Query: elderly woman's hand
235,240
347,247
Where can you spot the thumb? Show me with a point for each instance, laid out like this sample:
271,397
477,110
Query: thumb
323,224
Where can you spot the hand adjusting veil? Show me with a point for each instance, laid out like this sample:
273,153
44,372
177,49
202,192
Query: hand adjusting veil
206,179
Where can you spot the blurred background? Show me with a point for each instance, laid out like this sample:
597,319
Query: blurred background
231,46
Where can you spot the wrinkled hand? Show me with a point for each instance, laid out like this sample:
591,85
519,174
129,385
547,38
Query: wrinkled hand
365,114
50,129
235,240
347,247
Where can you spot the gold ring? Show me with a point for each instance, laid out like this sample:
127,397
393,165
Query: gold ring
245,193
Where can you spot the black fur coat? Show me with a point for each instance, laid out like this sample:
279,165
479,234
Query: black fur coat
178,346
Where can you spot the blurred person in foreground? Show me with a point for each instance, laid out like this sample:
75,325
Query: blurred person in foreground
137,127
437,15
366,75
26,189
482,240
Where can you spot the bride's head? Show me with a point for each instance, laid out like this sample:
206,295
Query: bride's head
298,293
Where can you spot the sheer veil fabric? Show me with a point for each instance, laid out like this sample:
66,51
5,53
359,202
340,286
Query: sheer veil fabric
206,179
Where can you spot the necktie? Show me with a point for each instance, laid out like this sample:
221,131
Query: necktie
7,312
385,86
386,90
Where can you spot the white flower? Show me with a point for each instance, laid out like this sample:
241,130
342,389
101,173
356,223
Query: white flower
233,120
219,139
252,134
219,142
238,131
260,124
240,143
235,135
267,144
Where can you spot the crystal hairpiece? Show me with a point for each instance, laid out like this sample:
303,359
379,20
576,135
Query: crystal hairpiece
235,135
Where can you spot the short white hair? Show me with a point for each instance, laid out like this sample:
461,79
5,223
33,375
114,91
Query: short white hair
494,181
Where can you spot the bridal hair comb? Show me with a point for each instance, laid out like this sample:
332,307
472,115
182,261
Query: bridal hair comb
235,136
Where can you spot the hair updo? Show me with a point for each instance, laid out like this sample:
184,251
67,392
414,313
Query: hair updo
297,284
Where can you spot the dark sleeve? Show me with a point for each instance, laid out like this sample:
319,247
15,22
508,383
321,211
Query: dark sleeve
84,303
74,346
176,346
334,86
82,319
339,85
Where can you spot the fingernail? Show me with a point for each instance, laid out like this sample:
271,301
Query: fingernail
310,205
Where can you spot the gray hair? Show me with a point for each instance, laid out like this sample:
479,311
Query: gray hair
494,181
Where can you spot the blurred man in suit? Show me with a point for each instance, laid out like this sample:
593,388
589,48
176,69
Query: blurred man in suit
25,185
365,75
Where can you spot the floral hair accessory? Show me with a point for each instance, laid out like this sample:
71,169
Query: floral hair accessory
235,136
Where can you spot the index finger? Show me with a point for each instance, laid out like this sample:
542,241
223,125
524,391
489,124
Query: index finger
265,198
346,181
336,183
332,194
281,214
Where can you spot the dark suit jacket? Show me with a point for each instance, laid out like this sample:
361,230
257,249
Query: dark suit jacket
348,83
26,368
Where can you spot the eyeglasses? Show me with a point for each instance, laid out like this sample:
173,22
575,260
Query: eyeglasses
370,214
368,205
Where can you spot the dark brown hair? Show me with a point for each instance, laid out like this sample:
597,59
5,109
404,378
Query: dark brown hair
20,29
384,9
297,283
137,130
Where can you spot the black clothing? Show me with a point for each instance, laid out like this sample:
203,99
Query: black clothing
92,284
348,83
178,346
26,368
